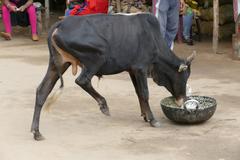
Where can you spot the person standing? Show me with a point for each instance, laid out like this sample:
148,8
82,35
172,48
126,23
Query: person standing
167,13
18,6
187,25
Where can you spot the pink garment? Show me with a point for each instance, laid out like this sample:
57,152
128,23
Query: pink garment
154,7
7,21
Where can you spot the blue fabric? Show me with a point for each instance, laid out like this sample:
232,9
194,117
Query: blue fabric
67,13
68,10
167,12
187,24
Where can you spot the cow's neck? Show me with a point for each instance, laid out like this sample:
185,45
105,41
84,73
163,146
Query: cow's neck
169,58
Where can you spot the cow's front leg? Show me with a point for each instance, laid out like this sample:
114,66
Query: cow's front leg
143,96
134,81
84,81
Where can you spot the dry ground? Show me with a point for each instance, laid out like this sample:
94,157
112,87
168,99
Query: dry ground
75,129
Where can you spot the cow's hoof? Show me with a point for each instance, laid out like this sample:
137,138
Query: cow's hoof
38,136
155,123
105,111
145,119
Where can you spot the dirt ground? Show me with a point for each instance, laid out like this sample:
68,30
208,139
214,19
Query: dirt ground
75,128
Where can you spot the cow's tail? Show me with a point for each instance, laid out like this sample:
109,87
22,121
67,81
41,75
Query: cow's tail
52,99
53,57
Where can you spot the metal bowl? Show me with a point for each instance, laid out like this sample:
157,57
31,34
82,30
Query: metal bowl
203,112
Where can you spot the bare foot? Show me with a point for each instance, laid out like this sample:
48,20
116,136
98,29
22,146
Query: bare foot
35,37
6,36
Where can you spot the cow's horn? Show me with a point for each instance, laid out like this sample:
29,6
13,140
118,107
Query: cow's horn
191,57
182,67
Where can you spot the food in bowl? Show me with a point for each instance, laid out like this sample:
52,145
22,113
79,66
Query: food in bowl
204,110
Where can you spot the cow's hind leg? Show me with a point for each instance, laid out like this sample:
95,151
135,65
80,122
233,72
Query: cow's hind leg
142,92
43,91
84,81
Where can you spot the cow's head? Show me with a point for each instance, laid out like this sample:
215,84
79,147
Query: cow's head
174,79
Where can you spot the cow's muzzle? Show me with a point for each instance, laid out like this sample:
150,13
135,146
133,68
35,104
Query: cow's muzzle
180,101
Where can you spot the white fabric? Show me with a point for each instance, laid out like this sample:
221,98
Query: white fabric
238,6
172,46
157,8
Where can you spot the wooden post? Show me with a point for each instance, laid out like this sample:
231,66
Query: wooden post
215,25
235,9
47,9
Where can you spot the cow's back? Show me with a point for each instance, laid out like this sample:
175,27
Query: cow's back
125,40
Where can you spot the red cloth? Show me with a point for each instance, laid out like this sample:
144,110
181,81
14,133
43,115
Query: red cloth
97,6
101,6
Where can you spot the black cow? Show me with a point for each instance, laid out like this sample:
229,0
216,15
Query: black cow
110,44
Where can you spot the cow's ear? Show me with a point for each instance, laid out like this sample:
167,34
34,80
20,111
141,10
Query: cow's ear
182,67
191,58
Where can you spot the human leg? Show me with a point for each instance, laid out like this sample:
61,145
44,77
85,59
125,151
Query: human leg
31,10
6,22
187,24
172,21
162,7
